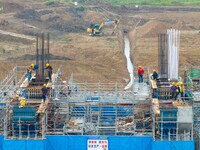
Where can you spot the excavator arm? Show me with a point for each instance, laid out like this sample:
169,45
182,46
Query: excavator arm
101,26
96,29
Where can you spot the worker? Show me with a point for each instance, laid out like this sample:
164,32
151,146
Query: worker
22,102
177,90
49,70
16,100
29,71
140,74
155,93
69,89
64,88
75,89
182,90
44,92
155,75
24,91
173,90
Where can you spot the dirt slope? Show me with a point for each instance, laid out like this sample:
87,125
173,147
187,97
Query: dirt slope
89,58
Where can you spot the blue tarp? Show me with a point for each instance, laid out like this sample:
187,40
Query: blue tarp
1,142
129,143
24,145
66,142
80,143
173,145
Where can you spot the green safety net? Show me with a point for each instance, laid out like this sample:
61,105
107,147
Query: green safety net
194,73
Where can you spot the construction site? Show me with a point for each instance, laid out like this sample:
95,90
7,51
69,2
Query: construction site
94,98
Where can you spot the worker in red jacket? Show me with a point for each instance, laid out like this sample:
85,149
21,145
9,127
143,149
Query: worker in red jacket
140,74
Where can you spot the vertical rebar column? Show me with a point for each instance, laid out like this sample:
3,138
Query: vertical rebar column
163,56
43,58
42,55
37,54
48,38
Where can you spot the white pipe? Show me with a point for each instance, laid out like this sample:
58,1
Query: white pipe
129,63
173,53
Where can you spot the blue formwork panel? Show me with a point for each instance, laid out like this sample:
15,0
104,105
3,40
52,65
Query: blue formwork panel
173,145
123,111
108,108
94,108
78,111
168,114
168,118
93,98
2,104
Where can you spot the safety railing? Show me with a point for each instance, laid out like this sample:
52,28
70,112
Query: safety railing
10,84
108,118
97,91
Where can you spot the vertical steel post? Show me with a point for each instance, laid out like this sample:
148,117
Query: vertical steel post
163,56
43,57
48,48
37,54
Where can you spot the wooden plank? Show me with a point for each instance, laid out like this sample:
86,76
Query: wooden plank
155,103
41,108
25,83
49,84
153,84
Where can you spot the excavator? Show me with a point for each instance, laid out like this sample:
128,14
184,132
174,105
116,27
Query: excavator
96,29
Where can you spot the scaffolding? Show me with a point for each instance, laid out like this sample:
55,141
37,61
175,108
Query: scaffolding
103,109
172,121
20,122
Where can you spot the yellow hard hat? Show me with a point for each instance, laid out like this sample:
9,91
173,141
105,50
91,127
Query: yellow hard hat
180,83
47,65
173,83
44,85
154,70
32,65
16,95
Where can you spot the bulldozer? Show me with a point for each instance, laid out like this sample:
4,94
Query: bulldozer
96,29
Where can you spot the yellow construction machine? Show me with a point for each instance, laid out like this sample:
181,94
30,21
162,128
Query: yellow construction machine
96,29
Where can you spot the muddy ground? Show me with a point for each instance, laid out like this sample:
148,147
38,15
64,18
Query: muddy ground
101,58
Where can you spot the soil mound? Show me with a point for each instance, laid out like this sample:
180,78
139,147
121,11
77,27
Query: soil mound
29,14
152,28
11,7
